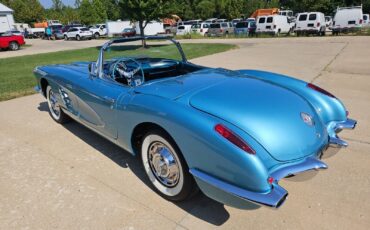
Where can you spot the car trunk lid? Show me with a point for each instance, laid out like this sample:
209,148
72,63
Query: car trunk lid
269,113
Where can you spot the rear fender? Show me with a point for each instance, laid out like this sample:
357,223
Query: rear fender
203,148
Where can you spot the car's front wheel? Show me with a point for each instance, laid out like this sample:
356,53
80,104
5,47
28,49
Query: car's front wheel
165,167
78,38
54,108
96,35
66,38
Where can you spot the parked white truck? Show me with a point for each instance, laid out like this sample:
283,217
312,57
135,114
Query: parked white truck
99,30
274,24
347,19
310,23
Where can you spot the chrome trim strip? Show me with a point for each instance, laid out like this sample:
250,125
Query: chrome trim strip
310,163
275,198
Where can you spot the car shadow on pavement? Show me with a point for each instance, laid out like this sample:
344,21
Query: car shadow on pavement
199,206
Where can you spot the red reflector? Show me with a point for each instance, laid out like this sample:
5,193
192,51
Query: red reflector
233,138
201,30
318,89
360,21
318,24
270,180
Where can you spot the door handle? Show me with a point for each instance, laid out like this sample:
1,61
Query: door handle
109,99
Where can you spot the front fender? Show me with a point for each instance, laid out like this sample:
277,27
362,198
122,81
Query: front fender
328,109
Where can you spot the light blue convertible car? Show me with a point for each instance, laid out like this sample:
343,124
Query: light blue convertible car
233,134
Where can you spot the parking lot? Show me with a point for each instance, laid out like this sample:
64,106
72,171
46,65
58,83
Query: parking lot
67,177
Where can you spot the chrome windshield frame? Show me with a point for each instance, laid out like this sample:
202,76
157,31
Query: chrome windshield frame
97,68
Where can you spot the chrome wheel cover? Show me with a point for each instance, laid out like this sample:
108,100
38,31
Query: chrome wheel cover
53,105
163,164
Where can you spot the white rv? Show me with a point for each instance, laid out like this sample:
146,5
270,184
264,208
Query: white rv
310,23
347,19
274,24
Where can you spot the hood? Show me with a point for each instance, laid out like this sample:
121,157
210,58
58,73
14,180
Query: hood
173,88
267,112
81,67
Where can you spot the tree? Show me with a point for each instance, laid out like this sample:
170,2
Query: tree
87,12
100,11
57,5
92,11
27,11
144,11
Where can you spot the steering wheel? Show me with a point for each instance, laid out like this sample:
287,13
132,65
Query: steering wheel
130,70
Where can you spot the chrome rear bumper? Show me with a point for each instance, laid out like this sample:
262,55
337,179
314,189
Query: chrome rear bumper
275,198
277,195
334,140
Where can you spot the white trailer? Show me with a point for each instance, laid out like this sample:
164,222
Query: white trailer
153,28
115,28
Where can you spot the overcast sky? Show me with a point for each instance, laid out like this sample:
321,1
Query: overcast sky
49,3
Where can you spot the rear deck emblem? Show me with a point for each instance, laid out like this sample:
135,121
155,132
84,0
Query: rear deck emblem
307,119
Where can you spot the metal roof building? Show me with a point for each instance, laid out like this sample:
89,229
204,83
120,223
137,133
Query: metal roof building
6,18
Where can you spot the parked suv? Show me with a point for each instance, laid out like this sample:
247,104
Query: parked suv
311,23
201,28
220,29
11,41
245,28
78,33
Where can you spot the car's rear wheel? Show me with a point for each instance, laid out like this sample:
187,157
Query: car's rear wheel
54,108
78,38
14,46
165,167
66,37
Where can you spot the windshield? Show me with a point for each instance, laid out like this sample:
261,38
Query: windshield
131,65
84,29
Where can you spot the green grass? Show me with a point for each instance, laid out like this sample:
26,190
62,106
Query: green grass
16,77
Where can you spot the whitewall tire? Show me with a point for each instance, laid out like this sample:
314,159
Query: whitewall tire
165,166
55,110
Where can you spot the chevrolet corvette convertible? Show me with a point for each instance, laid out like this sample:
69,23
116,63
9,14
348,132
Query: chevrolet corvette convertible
233,134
